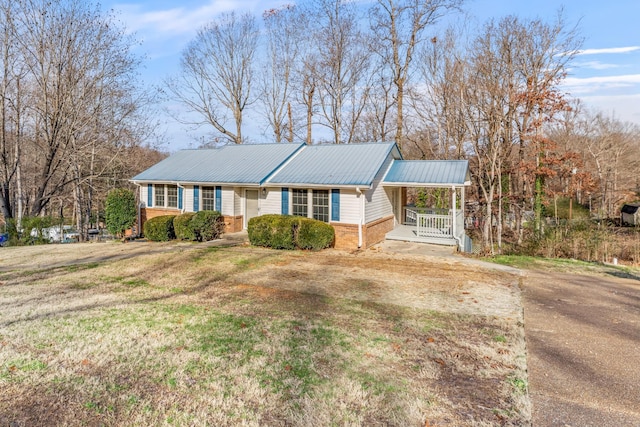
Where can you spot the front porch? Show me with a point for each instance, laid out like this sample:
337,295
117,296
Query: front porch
430,225
443,225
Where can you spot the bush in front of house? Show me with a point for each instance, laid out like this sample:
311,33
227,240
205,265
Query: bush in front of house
207,225
120,211
160,228
313,234
273,231
289,232
182,226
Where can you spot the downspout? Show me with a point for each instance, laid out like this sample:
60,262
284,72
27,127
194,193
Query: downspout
361,196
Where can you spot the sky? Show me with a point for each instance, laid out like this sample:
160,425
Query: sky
605,75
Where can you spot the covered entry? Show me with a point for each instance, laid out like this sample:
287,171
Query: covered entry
430,224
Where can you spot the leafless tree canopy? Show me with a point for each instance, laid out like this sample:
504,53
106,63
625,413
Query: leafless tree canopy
70,106
217,74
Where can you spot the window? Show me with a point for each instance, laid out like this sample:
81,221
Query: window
208,198
172,196
299,202
158,189
321,205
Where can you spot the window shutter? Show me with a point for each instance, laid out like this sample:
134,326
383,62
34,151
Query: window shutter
219,199
285,201
335,204
149,195
180,197
196,198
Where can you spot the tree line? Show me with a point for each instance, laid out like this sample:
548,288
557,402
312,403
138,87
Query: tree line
387,72
73,115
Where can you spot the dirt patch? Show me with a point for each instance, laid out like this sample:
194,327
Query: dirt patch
406,280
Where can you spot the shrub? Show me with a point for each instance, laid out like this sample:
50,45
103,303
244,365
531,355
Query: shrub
120,210
289,232
313,234
273,231
183,227
207,225
160,228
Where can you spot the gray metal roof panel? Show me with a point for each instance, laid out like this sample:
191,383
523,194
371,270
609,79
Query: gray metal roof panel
348,164
237,164
428,172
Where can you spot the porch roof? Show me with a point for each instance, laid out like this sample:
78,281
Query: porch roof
428,173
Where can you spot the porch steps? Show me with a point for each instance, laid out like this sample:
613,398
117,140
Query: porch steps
407,233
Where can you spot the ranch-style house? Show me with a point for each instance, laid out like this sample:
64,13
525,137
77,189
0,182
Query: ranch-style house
360,189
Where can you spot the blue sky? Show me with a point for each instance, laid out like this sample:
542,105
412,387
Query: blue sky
606,75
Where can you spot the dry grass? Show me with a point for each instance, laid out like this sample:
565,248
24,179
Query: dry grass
193,335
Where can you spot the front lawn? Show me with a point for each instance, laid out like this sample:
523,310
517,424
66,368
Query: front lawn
195,335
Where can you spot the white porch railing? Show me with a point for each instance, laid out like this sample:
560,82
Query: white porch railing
434,223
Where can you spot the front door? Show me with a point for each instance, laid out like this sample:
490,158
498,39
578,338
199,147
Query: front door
251,205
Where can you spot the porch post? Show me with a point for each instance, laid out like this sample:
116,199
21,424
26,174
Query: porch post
462,206
453,211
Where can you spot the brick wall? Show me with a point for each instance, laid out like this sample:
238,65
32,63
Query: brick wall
372,233
375,231
233,224
346,235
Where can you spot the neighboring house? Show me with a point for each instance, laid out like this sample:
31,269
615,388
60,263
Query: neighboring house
360,189
630,214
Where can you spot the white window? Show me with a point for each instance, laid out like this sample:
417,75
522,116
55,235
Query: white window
317,200
172,196
299,202
158,189
321,205
208,198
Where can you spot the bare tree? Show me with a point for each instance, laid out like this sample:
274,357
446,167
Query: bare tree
400,25
69,102
343,60
284,35
217,74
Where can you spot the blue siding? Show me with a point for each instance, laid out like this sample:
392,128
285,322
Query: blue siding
180,197
149,195
219,199
285,201
335,204
196,198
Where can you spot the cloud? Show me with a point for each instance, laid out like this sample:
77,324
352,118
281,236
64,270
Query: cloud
585,85
595,65
608,50
623,107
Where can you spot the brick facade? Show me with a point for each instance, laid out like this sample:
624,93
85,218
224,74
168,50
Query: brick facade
376,231
372,233
346,235
233,224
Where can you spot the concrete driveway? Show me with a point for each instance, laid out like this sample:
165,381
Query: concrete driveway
583,339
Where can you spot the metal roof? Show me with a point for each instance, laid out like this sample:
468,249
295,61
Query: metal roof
428,173
233,164
336,165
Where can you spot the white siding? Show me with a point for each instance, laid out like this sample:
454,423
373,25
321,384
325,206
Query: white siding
272,203
144,194
238,199
378,204
228,202
350,205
